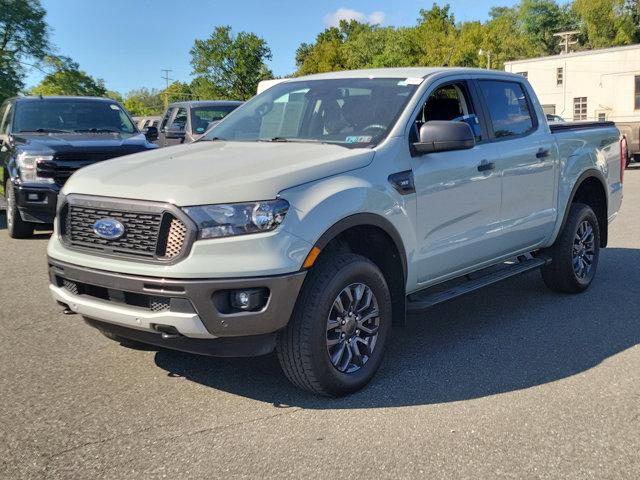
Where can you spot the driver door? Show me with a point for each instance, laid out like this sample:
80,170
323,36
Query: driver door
458,192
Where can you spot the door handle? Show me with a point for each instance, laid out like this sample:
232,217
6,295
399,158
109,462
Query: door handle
485,166
542,153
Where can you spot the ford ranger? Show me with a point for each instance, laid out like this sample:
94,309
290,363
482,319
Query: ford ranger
43,140
329,206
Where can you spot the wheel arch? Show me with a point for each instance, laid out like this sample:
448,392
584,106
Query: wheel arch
590,189
383,246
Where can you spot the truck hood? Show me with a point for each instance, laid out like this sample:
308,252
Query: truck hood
65,142
215,172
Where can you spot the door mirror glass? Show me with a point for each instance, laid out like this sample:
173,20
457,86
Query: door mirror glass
151,133
443,136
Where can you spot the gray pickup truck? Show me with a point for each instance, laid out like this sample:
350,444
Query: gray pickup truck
329,206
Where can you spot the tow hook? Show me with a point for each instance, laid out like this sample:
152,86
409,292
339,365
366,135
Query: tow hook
168,331
65,309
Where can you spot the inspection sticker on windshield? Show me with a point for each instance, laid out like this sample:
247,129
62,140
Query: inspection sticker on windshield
114,107
359,139
410,81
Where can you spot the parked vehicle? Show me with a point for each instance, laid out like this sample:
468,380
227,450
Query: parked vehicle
328,206
43,140
150,121
554,118
184,122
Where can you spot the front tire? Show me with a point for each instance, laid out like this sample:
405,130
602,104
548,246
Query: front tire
16,227
574,255
335,340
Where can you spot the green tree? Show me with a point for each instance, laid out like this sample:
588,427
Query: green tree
235,63
23,38
144,102
68,79
540,19
204,89
607,23
112,94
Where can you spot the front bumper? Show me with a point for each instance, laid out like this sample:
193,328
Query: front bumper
196,309
37,204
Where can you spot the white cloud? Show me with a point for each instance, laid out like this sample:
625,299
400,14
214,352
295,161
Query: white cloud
333,19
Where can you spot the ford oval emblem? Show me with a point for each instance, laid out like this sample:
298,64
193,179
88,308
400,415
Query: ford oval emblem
108,228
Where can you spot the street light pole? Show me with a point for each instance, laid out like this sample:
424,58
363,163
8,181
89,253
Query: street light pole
486,53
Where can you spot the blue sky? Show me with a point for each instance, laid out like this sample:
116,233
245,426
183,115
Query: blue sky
127,42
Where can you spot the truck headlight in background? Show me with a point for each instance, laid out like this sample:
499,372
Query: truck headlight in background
28,165
225,220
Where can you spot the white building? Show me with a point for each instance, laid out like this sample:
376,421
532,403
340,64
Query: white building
589,85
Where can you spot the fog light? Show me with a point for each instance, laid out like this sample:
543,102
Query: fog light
249,299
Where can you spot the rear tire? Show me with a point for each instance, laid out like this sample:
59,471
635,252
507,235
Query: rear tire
574,255
17,227
335,340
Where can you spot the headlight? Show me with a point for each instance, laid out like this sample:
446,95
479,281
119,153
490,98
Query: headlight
28,164
225,220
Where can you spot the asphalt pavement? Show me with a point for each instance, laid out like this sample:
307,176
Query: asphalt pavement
510,382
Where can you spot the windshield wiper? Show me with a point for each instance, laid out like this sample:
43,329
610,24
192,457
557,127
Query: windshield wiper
96,130
46,130
288,139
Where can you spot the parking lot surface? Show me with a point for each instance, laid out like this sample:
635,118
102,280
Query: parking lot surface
511,382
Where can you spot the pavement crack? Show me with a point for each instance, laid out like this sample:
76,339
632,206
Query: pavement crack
51,457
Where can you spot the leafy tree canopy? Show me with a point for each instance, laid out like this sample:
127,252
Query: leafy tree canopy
68,79
23,38
234,63
525,30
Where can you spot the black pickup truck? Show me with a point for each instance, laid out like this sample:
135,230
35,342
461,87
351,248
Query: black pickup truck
43,140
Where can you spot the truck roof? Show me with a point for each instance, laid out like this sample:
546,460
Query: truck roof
403,72
207,103
33,98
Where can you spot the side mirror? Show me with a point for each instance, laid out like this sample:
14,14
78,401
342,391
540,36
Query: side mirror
174,131
151,133
443,136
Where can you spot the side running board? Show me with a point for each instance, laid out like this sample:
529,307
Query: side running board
428,298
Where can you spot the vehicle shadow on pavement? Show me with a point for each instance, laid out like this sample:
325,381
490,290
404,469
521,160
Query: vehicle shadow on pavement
510,337
37,236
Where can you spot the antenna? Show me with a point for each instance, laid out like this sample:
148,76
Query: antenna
566,39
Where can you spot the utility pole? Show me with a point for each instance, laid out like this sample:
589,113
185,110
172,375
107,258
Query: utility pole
166,79
567,40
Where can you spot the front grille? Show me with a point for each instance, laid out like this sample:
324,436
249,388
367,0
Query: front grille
72,287
159,304
150,235
65,163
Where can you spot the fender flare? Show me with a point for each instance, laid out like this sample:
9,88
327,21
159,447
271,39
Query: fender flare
365,219
590,173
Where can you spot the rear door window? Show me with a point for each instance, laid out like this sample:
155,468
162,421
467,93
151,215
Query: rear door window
508,107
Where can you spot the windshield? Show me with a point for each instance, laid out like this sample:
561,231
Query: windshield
353,112
66,116
201,117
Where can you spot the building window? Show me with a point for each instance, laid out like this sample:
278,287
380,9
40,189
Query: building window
637,102
524,74
559,76
580,108
602,117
